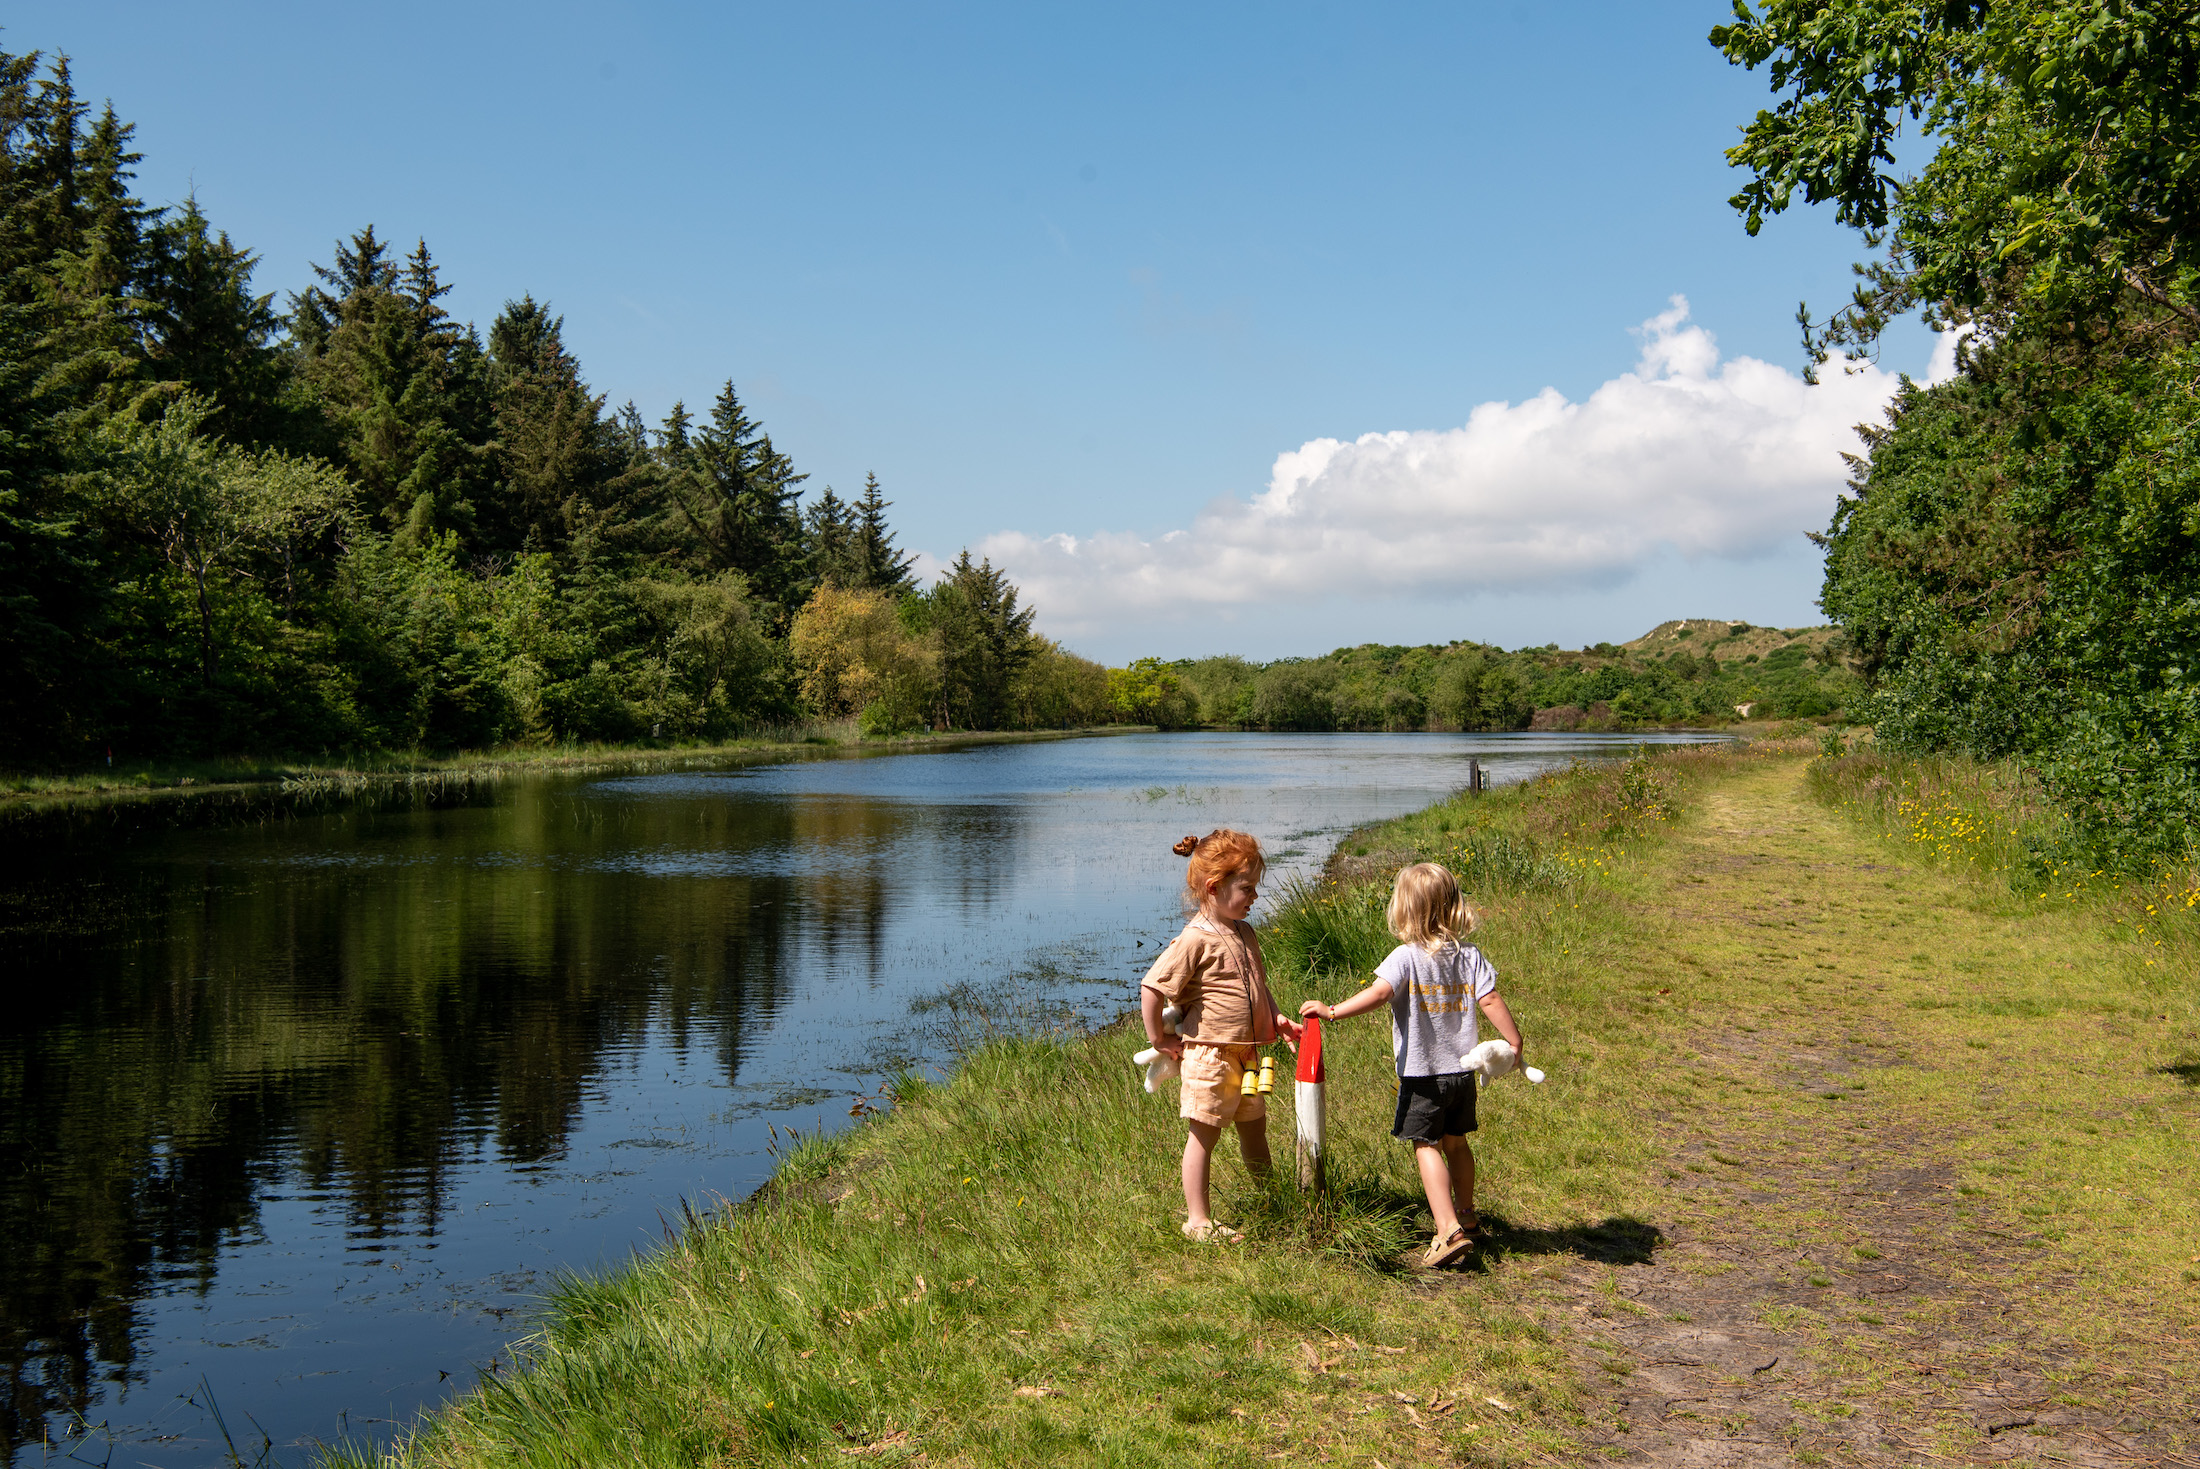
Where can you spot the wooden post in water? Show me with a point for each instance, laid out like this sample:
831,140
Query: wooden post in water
1313,1109
1474,777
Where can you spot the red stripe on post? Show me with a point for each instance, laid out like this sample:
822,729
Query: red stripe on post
1310,1051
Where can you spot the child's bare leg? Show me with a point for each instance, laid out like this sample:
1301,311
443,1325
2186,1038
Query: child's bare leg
1436,1182
1199,1152
1253,1145
1460,1155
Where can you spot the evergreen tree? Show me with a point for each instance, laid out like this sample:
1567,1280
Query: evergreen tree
883,566
72,241
105,208
361,268
555,452
740,497
984,638
51,593
44,212
208,332
407,393
831,527
18,181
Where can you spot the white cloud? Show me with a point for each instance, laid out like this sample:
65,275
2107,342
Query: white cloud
1685,453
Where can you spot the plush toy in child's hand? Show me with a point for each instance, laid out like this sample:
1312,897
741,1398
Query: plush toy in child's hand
1493,1059
1160,1066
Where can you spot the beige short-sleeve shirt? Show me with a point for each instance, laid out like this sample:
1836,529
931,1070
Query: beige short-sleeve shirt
1214,974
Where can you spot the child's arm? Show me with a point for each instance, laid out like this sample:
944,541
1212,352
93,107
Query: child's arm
1150,1005
1493,1005
1375,994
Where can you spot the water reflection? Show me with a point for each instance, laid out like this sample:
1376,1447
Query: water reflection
306,1108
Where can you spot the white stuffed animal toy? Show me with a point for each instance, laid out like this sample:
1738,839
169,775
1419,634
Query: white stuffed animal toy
1160,1066
1493,1059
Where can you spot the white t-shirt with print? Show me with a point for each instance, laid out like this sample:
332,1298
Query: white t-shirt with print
1433,1002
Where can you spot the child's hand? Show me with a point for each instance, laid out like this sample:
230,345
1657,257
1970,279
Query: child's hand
1291,1029
1168,1045
1313,1007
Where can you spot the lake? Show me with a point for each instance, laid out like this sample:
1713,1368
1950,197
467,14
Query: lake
302,1116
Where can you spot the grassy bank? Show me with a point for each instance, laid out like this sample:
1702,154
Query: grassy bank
191,779
1794,1055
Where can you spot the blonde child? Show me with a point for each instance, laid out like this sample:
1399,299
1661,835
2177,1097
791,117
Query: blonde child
1213,973
1433,981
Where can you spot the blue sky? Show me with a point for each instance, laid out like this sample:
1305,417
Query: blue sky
1088,271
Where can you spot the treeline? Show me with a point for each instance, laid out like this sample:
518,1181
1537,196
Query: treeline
355,522
1694,673
2017,564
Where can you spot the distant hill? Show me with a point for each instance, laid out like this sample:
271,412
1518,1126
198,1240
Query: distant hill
1727,642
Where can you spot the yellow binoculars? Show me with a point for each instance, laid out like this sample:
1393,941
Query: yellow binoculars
1260,1083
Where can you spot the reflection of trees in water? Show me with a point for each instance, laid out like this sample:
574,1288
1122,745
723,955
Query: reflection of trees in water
977,850
368,1026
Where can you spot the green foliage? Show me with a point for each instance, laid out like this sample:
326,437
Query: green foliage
738,495
984,640
1148,693
2016,567
2019,576
1473,686
2065,184
359,525
851,546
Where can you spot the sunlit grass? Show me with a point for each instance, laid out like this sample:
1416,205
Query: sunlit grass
1992,819
989,1271
338,772
991,1267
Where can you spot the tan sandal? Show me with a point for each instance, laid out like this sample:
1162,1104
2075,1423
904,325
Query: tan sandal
1212,1233
1444,1251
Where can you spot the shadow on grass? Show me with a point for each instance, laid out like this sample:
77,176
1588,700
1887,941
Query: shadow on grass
1607,1242
2186,1071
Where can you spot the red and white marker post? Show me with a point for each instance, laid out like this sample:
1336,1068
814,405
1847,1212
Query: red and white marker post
1312,1108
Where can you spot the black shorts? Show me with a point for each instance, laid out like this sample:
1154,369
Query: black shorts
1432,1108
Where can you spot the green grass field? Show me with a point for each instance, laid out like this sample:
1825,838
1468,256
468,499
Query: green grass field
1796,1051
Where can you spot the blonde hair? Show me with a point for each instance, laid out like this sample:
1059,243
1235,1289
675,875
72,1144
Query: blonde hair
1427,908
1217,857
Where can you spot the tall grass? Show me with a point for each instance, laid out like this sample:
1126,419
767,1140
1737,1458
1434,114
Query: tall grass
990,1268
1002,1237
1993,820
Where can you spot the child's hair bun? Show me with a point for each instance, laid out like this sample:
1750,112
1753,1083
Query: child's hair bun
1186,847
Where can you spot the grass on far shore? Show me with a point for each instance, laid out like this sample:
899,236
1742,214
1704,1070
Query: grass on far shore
988,1270
136,777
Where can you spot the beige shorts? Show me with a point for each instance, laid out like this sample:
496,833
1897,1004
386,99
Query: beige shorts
1211,1080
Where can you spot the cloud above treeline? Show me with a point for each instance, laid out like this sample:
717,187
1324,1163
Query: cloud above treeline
1726,459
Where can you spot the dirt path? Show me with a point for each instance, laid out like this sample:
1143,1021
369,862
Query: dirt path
1876,1235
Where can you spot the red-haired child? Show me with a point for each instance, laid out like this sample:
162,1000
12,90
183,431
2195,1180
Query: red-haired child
1212,972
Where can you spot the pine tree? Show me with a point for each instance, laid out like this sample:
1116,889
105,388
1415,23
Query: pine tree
209,333
51,592
883,567
44,213
740,496
555,452
407,393
106,210
72,242
361,268
985,640
831,529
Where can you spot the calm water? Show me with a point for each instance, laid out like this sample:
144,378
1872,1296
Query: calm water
300,1118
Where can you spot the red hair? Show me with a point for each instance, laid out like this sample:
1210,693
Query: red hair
1216,858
